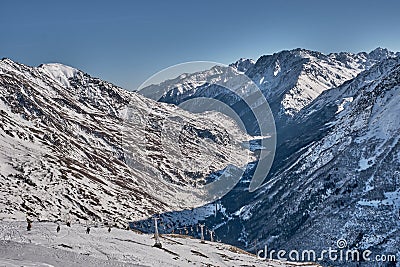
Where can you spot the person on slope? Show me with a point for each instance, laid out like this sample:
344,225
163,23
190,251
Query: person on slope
29,227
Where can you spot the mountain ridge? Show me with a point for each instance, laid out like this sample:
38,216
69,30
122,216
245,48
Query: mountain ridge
71,133
289,79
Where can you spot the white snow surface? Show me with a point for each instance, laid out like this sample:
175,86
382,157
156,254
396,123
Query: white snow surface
72,247
59,72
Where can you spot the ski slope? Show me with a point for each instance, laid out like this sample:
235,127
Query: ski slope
43,246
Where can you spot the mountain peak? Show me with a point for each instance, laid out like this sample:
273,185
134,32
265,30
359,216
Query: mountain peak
8,61
60,72
243,64
380,53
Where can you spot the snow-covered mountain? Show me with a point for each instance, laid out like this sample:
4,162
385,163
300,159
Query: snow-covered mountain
295,78
336,172
290,80
344,182
73,145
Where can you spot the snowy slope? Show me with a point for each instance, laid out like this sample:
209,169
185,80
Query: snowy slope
43,246
74,145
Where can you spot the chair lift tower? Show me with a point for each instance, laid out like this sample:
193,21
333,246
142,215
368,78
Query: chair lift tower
157,244
202,233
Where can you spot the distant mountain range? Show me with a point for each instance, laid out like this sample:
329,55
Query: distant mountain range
289,79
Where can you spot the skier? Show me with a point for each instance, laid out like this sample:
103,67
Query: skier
88,230
58,228
109,228
29,227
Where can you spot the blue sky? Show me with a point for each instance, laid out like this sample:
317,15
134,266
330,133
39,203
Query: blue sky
125,42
